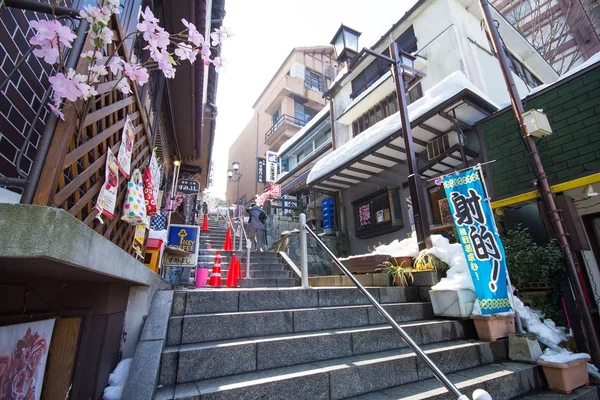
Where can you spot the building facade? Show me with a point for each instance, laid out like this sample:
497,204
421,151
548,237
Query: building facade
291,99
565,32
367,172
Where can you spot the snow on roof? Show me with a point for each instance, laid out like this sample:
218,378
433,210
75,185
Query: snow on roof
590,61
450,86
298,135
364,94
339,76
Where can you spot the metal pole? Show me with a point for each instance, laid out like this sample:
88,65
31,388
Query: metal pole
175,178
50,123
543,186
248,246
45,8
415,347
415,182
303,251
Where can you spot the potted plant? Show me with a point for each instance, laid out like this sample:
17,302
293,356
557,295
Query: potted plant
493,327
564,371
428,269
400,274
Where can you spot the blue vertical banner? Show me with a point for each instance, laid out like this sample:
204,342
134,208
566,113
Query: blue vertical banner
477,234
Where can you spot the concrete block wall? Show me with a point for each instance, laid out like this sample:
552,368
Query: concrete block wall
573,149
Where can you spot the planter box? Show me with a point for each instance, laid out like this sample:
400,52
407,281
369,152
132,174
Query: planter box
490,329
427,278
363,264
565,377
452,303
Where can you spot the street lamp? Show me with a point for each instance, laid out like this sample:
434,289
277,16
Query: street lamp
405,78
235,171
177,164
345,42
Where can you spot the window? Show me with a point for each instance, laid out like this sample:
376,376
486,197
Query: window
276,116
383,109
313,80
303,114
406,42
378,213
516,14
518,67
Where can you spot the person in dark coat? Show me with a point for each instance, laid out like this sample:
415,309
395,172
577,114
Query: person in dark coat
257,226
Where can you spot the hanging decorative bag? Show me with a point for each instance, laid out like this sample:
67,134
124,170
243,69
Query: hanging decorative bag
134,209
149,193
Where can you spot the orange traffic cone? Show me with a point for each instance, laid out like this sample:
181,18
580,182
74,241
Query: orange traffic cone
204,225
227,246
232,274
238,270
215,276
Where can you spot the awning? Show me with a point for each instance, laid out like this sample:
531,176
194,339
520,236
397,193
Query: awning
453,103
297,183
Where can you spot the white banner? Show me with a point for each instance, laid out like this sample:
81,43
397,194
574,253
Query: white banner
272,161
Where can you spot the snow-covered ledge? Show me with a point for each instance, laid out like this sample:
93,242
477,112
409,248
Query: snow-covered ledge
452,303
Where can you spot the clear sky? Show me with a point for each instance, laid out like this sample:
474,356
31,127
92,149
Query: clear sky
264,32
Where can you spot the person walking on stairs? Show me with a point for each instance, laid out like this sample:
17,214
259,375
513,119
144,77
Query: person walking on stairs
257,221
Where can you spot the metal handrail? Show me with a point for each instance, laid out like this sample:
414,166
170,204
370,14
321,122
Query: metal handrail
284,118
248,247
407,339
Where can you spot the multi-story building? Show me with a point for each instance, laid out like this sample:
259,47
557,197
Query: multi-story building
290,100
366,170
563,31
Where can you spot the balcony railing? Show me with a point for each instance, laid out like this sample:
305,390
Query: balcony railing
287,119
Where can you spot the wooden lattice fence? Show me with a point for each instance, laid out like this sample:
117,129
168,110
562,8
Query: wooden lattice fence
74,169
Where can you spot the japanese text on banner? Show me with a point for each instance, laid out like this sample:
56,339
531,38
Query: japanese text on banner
477,234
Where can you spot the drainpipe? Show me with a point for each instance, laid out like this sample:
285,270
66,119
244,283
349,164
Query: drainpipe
332,122
543,186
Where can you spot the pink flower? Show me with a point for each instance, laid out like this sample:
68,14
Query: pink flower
105,35
18,384
149,22
219,35
218,63
65,87
185,52
123,86
205,53
195,37
48,35
55,108
48,53
116,65
136,73
91,55
95,15
65,35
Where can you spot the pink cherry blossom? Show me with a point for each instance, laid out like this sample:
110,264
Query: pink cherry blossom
55,108
48,35
149,22
218,63
116,65
49,54
91,54
193,35
95,15
186,52
219,35
136,73
123,86
105,35
65,87
65,35
205,54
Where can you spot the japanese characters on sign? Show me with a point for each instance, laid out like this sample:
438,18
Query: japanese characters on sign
272,161
261,170
183,237
188,186
477,234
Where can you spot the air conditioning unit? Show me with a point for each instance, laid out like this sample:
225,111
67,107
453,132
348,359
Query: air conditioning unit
438,146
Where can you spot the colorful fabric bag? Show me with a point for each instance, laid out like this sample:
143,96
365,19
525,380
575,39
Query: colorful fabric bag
134,210
149,193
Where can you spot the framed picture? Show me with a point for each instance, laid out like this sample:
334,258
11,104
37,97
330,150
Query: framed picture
23,355
445,213
380,217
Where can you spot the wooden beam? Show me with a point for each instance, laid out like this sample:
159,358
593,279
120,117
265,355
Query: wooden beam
430,129
360,171
333,180
389,158
371,164
396,148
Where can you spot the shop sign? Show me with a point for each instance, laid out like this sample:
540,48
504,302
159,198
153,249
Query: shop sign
479,238
186,186
185,238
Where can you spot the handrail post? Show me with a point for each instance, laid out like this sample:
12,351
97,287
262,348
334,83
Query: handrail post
303,251
248,246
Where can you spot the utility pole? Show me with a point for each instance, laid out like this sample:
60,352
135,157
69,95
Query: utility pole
543,185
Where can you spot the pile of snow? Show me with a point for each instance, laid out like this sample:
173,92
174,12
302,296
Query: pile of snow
399,248
560,355
458,275
116,381
450,86
545,329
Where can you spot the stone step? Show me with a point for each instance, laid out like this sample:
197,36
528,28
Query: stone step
262,274
267,282
194,362
203,301
339,378
502,381
222,326
591,392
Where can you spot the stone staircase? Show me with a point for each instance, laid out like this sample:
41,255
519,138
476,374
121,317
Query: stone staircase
266,268
326,343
